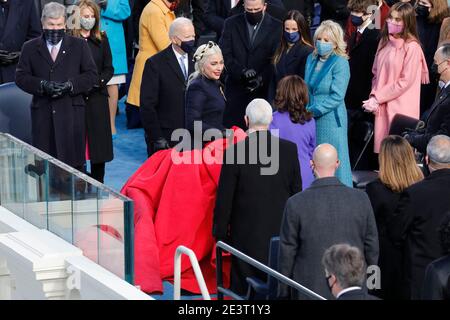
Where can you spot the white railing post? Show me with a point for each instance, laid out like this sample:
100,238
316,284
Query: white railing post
197,271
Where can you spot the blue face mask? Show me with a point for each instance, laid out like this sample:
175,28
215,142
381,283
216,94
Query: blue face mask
324,48
291,37
356,21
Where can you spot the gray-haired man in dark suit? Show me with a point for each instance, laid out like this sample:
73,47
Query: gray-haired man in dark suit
325,214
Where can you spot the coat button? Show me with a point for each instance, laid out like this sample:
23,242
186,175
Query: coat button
54,111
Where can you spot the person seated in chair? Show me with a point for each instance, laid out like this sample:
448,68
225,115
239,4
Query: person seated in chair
437,119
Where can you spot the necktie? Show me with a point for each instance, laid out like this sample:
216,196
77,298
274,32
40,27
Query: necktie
54,53
183,67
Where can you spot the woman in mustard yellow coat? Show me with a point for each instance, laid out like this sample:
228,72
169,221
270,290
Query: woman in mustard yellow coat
153,37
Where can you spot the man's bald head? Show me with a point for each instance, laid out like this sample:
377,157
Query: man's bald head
325,160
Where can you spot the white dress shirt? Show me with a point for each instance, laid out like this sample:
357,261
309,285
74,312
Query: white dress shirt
50,46
185,60
347,290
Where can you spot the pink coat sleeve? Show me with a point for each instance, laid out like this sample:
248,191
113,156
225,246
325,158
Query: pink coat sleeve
413,59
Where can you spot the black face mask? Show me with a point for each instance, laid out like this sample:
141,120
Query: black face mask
254,17
54,36
187,46
422,11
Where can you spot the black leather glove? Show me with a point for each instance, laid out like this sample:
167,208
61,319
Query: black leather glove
64,87
248,74
160,144
8,58
95,88
411,136
49,88
254,84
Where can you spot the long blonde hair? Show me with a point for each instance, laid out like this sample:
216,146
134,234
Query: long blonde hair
335,34
398,168
96,29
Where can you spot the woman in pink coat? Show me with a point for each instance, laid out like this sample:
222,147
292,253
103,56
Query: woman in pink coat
399,69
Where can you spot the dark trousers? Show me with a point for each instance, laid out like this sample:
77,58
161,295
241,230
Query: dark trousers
98,171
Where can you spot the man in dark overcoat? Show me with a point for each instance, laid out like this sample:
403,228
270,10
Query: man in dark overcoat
253,189
19,22
57,69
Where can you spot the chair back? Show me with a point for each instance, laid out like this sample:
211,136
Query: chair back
273,264
15,113
400,123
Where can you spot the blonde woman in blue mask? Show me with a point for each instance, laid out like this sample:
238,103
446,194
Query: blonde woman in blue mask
327,74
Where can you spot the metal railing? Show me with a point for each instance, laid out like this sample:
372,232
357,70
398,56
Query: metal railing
222,246
198,273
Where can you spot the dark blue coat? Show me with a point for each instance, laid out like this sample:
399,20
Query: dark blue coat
291,63
205,102
60,120
21,25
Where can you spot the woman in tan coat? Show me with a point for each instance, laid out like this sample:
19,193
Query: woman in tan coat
153,37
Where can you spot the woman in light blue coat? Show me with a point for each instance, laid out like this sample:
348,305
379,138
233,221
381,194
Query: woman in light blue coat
113,13
327,75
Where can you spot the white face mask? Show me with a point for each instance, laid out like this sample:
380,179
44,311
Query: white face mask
87,23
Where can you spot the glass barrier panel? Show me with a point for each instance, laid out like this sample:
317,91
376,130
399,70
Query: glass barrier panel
85,218
60,193
36,189
111,233
80,210
13,177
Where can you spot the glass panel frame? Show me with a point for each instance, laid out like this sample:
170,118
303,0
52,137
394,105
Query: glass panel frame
54,196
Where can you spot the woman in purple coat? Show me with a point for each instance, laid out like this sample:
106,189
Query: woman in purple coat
295,123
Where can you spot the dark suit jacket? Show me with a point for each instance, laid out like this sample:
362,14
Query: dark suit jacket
325,214
74,63
98,122
292,62
239,54
334,10
437,121
196,14
361,60
357,294
415,223
162,94
250,204
216,13
21,25
219,10
384,202
306,7
437,280
206,103
274,7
